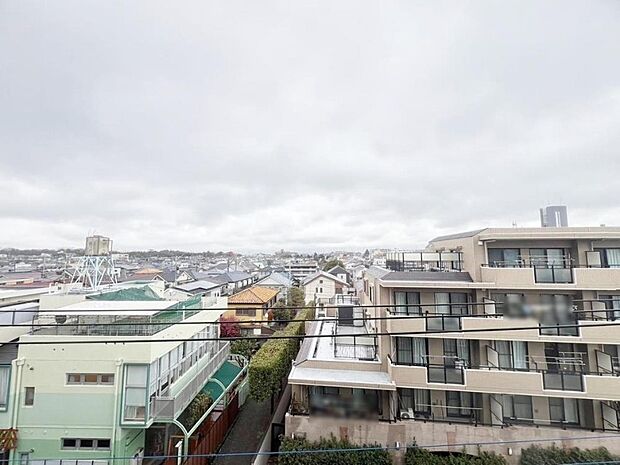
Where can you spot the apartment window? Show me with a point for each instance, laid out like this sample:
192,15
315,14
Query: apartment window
459,404
509,258
5,375
559,312
135,393
407,303
29,396
24,458
457,352
563,410
84,444
517,408
416,400
411,351
451,303
610,258
512,355
551,265
612,302
90,378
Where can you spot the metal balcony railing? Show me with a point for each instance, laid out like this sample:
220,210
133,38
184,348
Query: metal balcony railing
170,407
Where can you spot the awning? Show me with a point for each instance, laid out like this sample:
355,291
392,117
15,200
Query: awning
221,380
341,378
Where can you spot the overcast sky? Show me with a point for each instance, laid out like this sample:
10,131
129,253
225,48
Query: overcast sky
262,125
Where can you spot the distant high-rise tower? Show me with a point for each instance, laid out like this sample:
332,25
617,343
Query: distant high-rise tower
554,216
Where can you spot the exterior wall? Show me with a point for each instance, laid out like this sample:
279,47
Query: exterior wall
448,437
320,291
84,411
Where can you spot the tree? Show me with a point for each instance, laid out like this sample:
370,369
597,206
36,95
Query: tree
229,327
296,297
332,263
280,312
243,347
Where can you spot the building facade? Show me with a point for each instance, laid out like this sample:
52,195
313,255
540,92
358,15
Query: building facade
445,364
107,402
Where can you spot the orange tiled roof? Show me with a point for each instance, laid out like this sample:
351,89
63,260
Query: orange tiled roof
253,295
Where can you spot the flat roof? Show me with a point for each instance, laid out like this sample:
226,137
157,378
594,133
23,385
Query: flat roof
341,378
114,307
10,293
590,232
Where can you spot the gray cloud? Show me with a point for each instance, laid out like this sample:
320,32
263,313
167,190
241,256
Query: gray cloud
308,125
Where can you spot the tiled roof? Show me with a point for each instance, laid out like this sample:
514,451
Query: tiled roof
253,295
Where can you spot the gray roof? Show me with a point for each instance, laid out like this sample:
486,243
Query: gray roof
202,284
460,235
450,276
337,270
377,271
278,278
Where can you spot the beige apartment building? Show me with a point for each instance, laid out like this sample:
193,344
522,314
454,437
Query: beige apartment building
446,364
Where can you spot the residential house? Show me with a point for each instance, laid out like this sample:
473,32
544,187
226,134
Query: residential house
323,287
252,305
279,281
339,272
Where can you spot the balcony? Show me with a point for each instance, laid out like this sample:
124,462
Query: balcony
525,273
354,341
597,278
445,374
166,408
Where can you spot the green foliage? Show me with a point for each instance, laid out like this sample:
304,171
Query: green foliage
195,410
243,347
417,456
296,297
272,361
536,455
369,457
332,263
280,313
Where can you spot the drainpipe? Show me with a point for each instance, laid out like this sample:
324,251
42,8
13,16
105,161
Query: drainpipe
19,363
117,383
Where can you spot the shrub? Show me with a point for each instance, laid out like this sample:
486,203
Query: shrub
272,361
229,327
417,456
536,455
345,457
195,410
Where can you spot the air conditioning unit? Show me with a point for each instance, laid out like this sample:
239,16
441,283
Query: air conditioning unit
406,414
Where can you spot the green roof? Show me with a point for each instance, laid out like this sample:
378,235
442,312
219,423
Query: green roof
131,294
225,375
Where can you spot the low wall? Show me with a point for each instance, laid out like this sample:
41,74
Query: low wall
278,417
449,437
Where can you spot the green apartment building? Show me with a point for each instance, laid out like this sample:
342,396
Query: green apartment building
63,402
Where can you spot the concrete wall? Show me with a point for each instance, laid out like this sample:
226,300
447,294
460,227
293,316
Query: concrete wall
445,436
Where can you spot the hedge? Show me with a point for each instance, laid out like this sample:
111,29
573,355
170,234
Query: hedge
272,361
417,456
536,455
346,457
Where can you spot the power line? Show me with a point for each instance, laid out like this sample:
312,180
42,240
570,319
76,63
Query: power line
358,449
282,336
233,305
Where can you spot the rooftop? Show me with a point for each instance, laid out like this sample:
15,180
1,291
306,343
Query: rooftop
594,232
253,295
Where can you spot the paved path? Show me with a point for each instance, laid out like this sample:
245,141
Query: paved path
246,434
